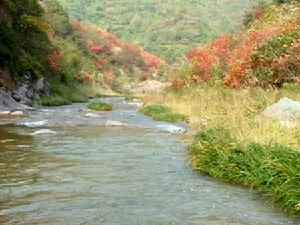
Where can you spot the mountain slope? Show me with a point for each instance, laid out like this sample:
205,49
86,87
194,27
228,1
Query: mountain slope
266,54
165,27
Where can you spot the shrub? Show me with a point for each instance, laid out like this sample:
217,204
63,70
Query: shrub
100,106
273,169
130,97
162,113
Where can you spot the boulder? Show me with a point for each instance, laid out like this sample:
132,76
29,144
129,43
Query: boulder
44,132
41,88
285,111
17,113
7,102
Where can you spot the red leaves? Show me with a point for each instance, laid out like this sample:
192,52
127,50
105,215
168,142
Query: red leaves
203,59
151,60
54,61
99,63
84,76
51,35
109,77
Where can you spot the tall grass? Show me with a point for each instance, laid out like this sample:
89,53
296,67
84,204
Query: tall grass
162,113
273,168
237,110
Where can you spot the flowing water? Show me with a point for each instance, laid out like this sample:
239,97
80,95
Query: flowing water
136,173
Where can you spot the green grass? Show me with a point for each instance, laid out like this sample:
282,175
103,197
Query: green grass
130,97
162,113
62,94
273,168
54,101
100,106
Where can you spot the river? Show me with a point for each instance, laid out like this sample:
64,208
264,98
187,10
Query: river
135,173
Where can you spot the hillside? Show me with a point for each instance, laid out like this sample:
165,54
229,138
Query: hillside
163,27
266,54
39,44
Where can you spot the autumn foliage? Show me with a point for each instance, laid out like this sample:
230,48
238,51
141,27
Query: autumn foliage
266,54
54,61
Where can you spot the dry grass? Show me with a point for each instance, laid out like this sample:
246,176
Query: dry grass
236,110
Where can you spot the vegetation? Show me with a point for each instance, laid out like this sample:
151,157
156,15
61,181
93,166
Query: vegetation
266,54
131,97
165,28
23,41
236,147
273,169
100,106
162,113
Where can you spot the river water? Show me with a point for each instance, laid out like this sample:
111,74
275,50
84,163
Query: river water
136,173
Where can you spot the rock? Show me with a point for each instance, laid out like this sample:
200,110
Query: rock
24,94
150,86
17,113
286,111
138,104
5,113
44,132
35,123
111,123
170,128
41,88
7,140
92,115
7,102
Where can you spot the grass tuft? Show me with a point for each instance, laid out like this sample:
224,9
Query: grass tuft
162,113
100,106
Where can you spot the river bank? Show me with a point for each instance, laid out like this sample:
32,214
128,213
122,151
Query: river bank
249,141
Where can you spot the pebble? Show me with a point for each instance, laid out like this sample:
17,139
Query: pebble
113,123
44,131
92,115
17,113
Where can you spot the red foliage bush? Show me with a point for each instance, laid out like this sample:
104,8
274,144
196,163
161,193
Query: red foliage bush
99,63
109,77
54,61
84,76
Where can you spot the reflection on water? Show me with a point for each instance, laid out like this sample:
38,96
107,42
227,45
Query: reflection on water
102,175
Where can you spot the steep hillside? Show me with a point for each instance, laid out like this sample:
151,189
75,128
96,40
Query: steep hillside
165,27
24,47
93,56
39,46
266,54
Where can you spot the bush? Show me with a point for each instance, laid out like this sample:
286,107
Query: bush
100,106
130,97
273,169
162,113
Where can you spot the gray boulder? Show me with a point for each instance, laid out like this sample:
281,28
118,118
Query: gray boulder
286,112
7,102
41,88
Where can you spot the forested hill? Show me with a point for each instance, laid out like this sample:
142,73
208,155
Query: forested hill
165,27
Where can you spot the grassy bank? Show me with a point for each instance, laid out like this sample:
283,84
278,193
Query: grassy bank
233,146
273,168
